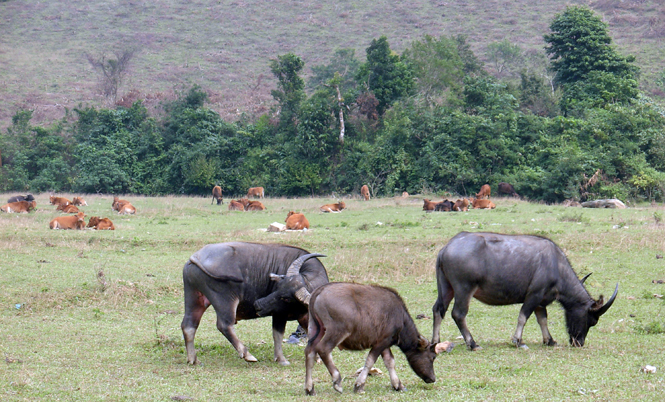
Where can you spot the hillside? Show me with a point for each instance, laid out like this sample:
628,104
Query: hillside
225,46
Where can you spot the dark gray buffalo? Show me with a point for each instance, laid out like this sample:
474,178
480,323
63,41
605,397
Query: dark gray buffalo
502,269
249,280
18,198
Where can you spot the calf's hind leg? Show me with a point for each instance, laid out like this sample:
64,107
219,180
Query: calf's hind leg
195,305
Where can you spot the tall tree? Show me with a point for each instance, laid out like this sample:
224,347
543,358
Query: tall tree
112,70
579,44
290,90
385,74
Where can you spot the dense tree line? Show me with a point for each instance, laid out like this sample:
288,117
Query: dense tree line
431,119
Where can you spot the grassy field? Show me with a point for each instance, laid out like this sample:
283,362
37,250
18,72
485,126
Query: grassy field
225,46
95,316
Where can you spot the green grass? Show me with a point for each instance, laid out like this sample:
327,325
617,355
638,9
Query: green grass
226,46
94,316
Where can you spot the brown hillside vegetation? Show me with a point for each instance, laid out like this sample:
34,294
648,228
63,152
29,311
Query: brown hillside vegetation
225,46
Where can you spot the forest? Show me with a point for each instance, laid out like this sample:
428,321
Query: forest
571,125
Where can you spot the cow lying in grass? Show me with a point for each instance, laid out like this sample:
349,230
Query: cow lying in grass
21,207
69,222
333,207
296,221
100,223
68,208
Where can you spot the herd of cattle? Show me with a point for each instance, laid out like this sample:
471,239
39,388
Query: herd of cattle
24,204
251,280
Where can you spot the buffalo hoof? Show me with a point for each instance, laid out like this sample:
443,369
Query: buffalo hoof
249,358
520,344
359,389
476,348
310,392
551,342
400,387
283,362
338,387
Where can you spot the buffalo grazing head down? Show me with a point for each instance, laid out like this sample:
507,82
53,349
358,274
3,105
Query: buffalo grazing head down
581,318
289,288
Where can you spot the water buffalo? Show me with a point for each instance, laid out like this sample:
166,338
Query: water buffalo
249,280
506,188
18,198
500,269
358,317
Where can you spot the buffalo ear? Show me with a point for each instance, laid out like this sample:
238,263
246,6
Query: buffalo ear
446,346
423,343
275,277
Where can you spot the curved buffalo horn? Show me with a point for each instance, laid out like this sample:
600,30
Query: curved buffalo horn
585,276
602,309
303,295
295,265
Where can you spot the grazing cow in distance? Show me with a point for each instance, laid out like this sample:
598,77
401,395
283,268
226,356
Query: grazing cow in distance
17,198
506,188
126,209
429,206
255,192
499,270
69,222
243,281
68,208
364,191
444,206
59,200
333,207
461,205
482,204
79,201
296,221
485,191
100,224
217,195
236,205
255,206
405,195
21,207
352,316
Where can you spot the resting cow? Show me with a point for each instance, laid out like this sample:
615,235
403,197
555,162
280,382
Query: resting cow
79,201
236,205
243,281
461,205
100,223
485,191
429,206
21,207
59,200
255,192
217,195
358,317
69,222
17,198
68,208
444,206
364,191
255,206
126,209
482,204
296,221
333,207
500,269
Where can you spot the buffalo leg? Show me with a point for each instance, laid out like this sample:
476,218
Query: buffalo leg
445,296
460,309
225,321
316,333
530,304
541,316
374,353
195,305
389,361
334,372
278,327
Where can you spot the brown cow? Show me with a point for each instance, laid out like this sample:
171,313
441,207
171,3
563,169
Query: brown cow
482,204
79,201
296,221
364,191
255,206
68,208
507,188
236,205
69,222
405,195
100,223
58,200
429,206
126,209
255,192
333,207
485,191
117,203
217,195
461,205
21,207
